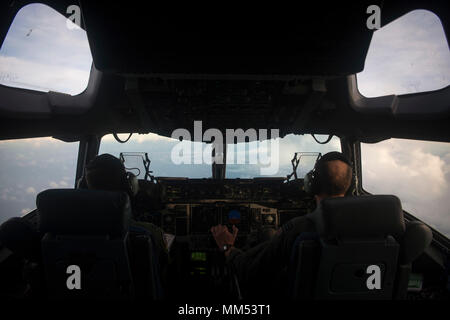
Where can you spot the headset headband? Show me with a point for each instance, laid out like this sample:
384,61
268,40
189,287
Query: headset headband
105,162
332,156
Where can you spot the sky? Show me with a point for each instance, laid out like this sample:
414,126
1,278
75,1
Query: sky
406,56
39,40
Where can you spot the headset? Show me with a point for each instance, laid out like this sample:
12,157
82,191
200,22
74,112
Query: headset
311,181
128,181
130,184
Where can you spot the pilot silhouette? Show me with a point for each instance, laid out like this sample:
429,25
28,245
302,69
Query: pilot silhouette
264,263
106,172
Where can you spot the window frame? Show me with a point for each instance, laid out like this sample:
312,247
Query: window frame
19,102
422,105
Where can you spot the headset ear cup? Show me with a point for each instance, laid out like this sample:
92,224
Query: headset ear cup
132,184
352,189
315,186
126,185
308,182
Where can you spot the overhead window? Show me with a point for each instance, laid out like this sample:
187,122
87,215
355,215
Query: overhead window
408,55
45,51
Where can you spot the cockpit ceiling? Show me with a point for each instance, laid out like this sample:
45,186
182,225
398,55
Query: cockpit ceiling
227,41
231,40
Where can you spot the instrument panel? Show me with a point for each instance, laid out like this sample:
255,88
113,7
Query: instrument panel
190,207
180,189
193,222
199,218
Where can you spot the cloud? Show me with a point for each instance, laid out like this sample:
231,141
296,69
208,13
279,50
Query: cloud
37,26
408,55
41,53
418,177
30,190
41,76
61,184
31,142
53,184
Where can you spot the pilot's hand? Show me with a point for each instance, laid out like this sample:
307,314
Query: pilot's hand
224,237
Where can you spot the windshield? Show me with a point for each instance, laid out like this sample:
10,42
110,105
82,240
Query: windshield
270,158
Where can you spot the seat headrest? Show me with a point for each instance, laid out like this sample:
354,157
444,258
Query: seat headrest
360,217
85,212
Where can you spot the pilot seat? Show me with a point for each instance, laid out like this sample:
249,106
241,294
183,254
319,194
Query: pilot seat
86,235
361,250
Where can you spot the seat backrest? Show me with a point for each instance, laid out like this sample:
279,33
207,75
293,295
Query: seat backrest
144,264
355,253
84,247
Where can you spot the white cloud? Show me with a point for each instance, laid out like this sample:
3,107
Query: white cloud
14,142
60,184
41,76
30,190
408,55
41,53
30,144
418,177
63,184
53,184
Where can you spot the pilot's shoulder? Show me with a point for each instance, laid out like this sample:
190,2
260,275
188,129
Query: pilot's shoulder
294,224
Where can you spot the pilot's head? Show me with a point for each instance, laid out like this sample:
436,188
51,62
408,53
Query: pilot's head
332,176
106,172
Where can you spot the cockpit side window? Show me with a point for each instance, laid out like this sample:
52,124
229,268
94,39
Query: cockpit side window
45,51
29,166
408,55
418,172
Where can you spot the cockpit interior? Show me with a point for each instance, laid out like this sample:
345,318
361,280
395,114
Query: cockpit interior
162,71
